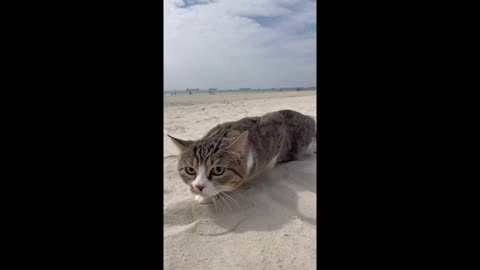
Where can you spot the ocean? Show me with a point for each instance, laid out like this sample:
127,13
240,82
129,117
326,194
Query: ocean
196,92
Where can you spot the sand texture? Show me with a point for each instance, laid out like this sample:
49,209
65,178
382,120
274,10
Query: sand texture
271,224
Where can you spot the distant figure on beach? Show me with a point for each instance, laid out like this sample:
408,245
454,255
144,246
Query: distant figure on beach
189,92
298,89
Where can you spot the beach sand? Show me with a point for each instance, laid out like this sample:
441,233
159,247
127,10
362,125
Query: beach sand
272,225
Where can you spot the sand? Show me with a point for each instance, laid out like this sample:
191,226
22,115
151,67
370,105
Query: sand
272,225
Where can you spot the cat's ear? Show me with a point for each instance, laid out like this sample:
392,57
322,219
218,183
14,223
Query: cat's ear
181,144
239,144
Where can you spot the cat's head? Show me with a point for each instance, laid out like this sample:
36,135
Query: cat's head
212,165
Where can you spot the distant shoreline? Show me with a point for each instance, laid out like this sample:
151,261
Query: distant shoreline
183,92
231,96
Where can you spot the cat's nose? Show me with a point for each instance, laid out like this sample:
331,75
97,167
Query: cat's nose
200,187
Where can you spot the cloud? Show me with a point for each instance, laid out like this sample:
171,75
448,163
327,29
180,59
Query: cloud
229,44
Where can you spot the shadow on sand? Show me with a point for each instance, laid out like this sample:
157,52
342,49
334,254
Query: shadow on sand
266,204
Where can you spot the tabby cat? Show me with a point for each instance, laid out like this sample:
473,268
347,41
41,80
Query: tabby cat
235,152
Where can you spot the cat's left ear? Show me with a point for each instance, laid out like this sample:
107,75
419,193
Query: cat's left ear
181,144
239,144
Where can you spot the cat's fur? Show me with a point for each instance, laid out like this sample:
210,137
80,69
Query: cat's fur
244,149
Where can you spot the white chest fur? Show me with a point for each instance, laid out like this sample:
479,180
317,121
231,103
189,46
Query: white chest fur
272,162
250,160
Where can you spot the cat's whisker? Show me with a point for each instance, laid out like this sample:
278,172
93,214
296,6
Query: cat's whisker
214,203
226,197
226,188
225,200
235,203
231,198
218,200
217,196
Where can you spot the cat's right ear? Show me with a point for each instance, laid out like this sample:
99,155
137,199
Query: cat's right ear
181,144
239,144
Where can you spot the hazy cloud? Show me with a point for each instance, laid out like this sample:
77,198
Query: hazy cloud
230,44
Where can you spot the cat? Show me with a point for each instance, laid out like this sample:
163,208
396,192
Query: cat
235,152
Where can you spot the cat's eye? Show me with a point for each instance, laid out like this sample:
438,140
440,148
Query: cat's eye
190,170
218,171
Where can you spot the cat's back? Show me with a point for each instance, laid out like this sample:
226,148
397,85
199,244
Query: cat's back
274,137
265,136
269,126
300,132
234,128
298,121
266,126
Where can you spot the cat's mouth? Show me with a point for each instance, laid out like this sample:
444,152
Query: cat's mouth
195,191
202,194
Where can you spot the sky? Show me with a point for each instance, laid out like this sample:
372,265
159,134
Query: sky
231,44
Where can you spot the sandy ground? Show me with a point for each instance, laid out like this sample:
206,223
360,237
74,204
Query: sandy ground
272,225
